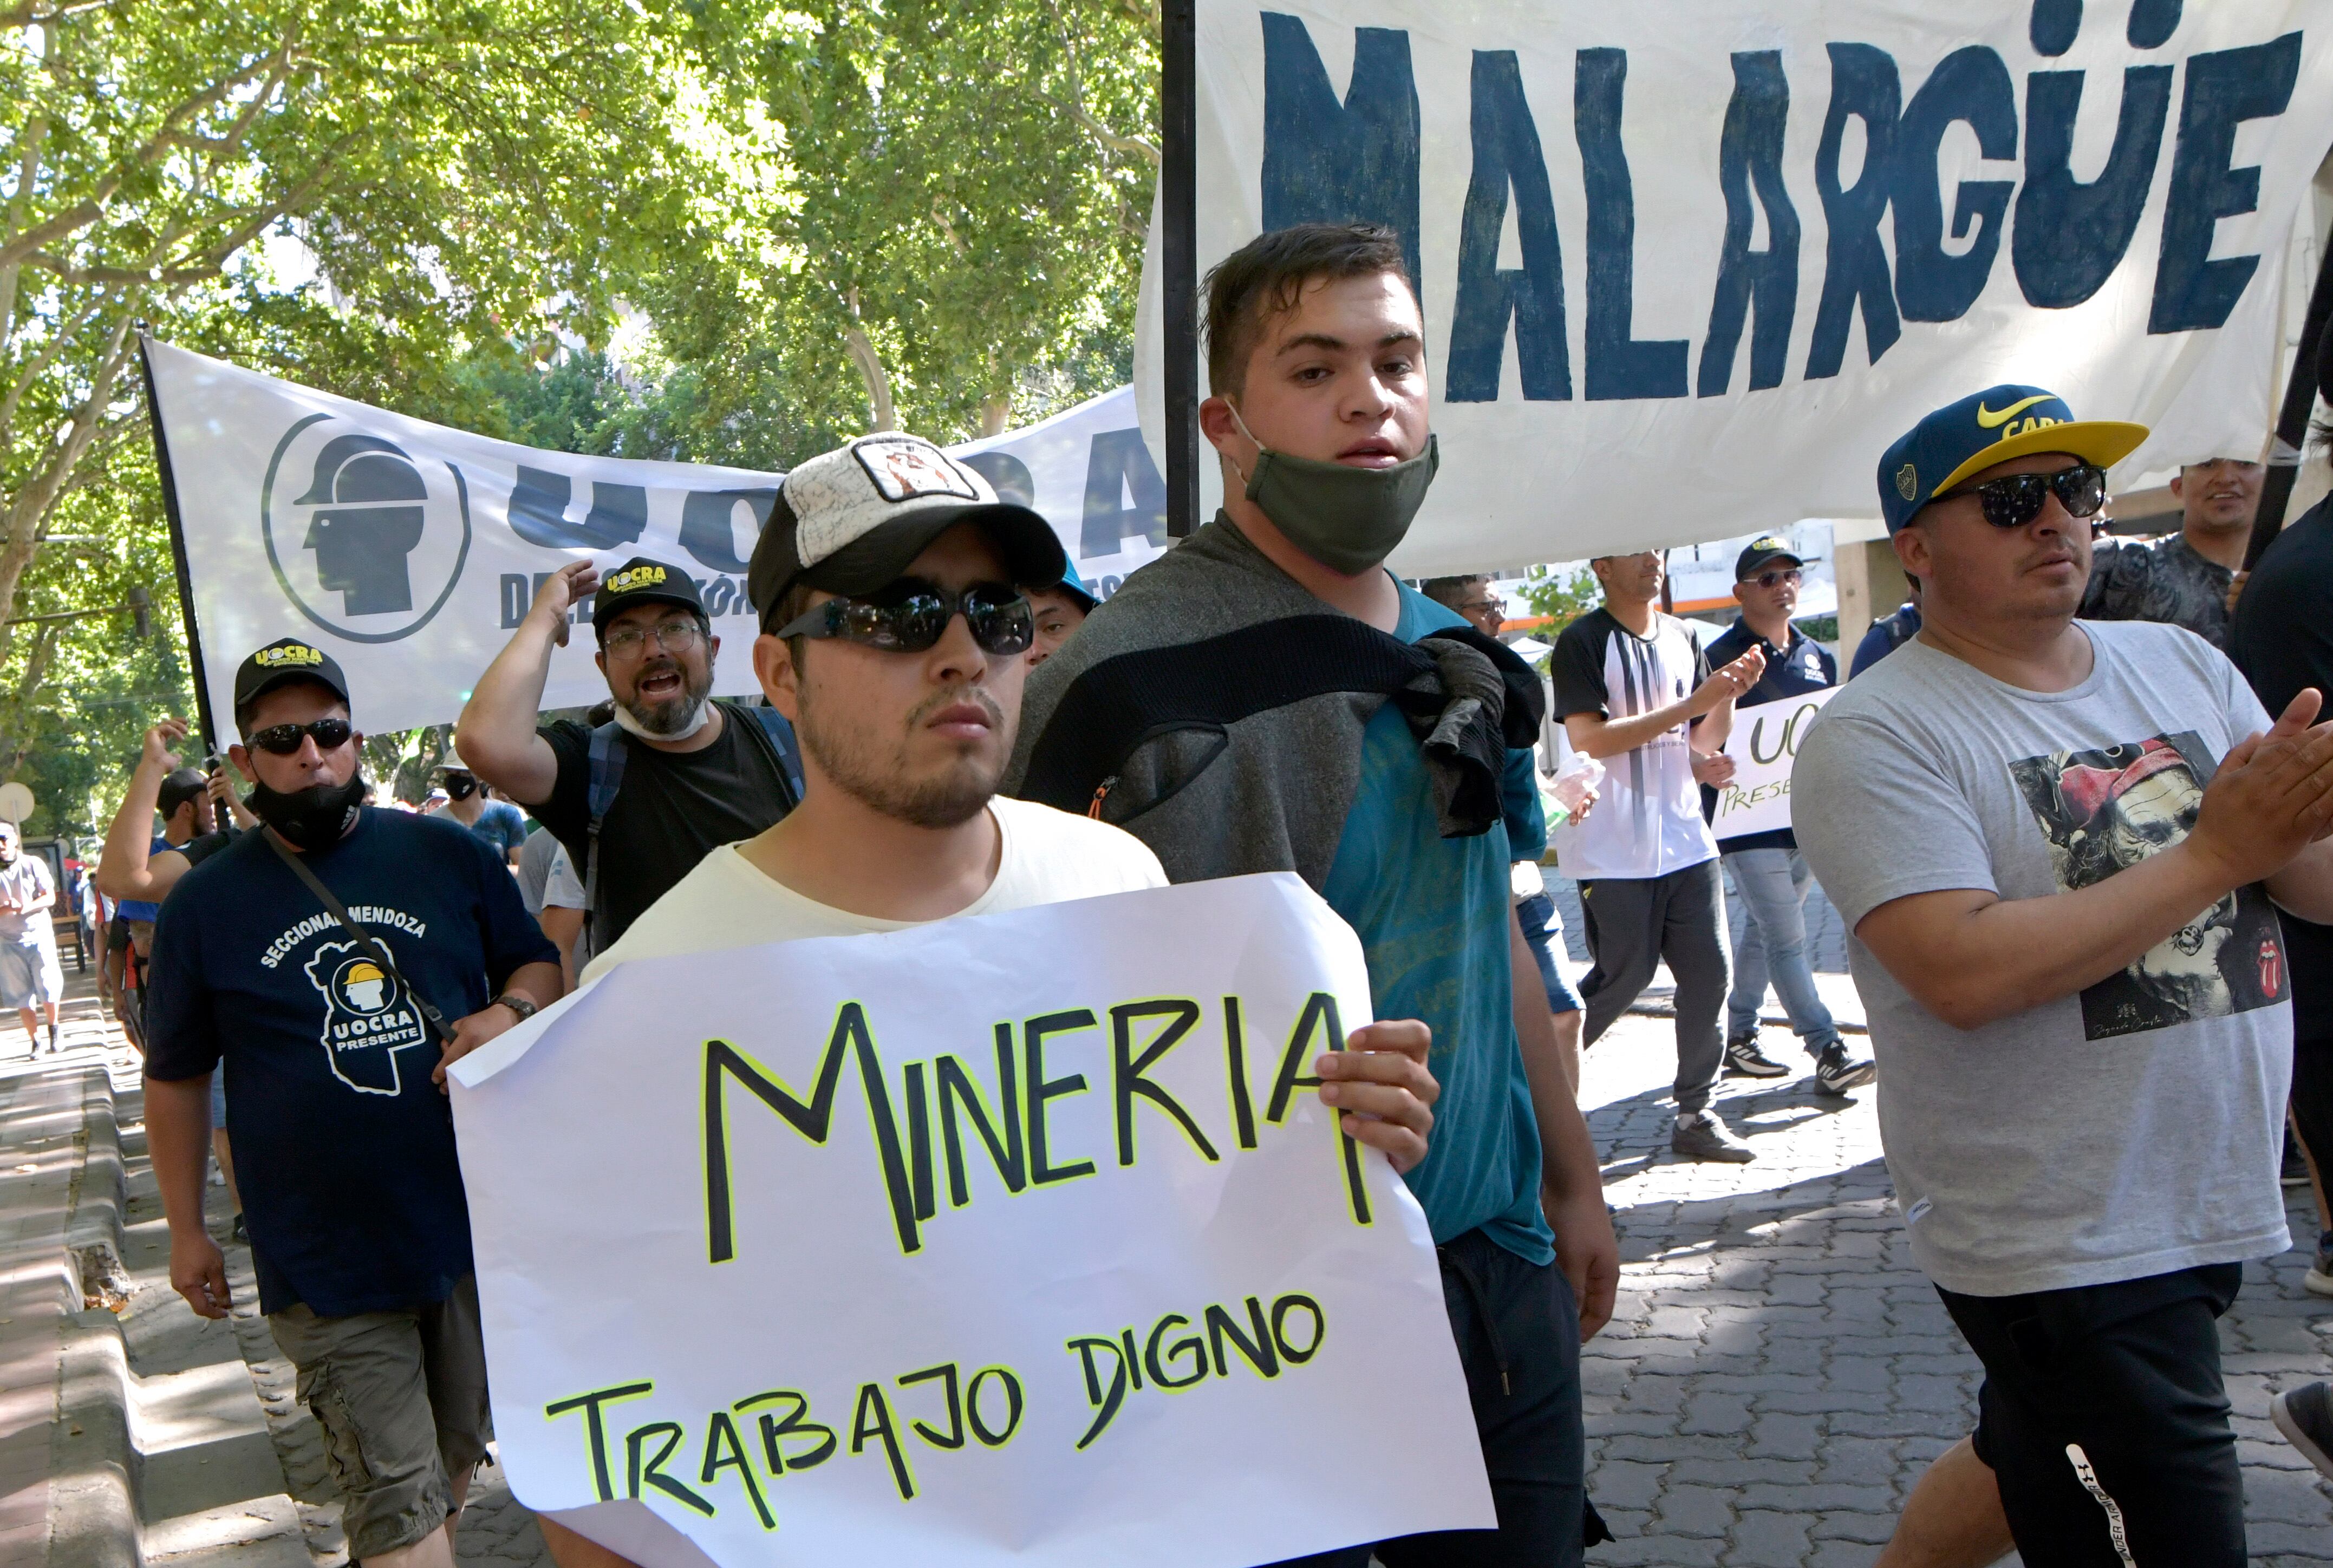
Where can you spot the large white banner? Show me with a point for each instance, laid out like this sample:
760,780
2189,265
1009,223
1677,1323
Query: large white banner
1089,472
410,551
1016,1239
1764,745
1687,270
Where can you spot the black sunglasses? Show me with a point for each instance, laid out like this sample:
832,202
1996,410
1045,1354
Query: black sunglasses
2014,500
331,734
909,615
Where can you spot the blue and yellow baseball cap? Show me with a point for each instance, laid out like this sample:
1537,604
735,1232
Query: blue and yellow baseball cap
1995,426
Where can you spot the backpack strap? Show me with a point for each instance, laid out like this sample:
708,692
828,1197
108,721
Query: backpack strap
784,747
607,756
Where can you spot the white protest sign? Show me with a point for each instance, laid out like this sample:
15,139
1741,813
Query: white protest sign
1014,1238
1687,270
1764,745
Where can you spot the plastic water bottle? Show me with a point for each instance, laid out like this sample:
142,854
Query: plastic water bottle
1580,775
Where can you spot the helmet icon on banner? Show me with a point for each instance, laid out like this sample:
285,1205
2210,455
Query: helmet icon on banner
371,546
368,498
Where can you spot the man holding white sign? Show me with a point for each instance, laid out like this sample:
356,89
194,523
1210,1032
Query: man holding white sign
1769,872
901,564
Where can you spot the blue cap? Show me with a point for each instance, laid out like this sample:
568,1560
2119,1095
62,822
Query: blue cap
1998,423
1074,586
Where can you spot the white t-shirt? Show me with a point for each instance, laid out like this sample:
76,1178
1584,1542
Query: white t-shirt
1049,857
1648,821
563,889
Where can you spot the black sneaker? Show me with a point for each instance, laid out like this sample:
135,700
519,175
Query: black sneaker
2296,1165
1836,1072
1705,1137
2305,1416
1743,1059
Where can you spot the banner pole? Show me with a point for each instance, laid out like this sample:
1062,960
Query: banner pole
1178,291
2292,419
177,547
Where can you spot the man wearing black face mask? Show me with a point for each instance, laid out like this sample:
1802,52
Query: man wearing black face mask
343,1140
1267,697
498,825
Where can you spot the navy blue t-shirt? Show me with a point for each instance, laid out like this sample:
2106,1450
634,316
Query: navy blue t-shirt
343,1147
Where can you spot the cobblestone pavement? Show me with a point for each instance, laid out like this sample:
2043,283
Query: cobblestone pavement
1777,1372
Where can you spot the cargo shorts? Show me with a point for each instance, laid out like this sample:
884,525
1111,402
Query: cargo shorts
401,1397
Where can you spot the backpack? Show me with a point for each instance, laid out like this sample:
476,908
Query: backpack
779,748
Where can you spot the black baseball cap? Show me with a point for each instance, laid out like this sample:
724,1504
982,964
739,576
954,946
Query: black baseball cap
641,581
282,662
851,519
1763,548
179,787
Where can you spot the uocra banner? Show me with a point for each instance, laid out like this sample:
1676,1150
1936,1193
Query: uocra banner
410,551
1687,269
895,1282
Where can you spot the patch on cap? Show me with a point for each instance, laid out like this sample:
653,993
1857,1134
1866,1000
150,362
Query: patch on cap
288,656
630,578
906,469
1907,481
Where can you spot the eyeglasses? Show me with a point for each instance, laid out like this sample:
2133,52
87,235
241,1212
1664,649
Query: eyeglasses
1773,580
1491,603
911,615
674,637
2014,500
331,734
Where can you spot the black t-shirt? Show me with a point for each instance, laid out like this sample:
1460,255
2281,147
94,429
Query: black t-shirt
197,850
672,807
2283,640
1804,667
343,1148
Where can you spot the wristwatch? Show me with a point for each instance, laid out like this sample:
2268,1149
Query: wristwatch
518,1004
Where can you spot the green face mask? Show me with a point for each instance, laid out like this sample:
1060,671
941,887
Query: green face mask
1347,518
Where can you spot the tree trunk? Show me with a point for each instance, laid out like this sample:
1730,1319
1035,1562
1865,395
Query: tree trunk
870,370
996,414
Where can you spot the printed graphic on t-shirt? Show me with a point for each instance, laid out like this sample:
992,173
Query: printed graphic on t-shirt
368,1019
2107,810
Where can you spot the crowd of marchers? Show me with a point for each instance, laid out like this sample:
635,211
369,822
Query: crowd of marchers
2071,808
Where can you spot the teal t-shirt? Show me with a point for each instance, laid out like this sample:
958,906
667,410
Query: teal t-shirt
1431,913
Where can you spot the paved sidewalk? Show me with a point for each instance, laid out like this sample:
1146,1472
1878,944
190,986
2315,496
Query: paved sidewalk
1777,1372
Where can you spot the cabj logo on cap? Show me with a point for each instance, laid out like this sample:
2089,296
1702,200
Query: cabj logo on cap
638,577
367,540
285,655
1907,481
906,469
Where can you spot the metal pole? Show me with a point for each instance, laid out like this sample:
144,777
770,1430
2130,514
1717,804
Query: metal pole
1178,256
2292,419
178,548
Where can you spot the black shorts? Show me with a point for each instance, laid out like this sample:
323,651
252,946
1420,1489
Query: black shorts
2104,1420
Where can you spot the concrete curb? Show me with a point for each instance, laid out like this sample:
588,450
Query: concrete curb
92,1462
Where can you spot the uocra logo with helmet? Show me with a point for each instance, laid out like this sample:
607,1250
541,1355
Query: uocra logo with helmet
367,541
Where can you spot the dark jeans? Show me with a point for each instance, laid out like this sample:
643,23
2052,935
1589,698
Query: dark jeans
1541,928
1636,923
1518,1333
2103,1416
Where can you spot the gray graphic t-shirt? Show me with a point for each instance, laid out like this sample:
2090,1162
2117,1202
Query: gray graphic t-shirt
2127,1131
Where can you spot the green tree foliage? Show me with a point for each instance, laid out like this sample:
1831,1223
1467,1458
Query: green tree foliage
949,206
1562,598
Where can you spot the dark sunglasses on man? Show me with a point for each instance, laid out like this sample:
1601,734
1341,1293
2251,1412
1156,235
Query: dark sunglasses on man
2014,500
331,735
911,615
